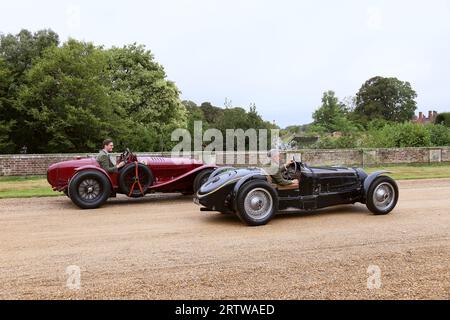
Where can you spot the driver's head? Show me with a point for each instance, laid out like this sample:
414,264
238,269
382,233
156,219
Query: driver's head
274,156
108,145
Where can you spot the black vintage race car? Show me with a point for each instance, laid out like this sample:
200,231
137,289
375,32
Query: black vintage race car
251,195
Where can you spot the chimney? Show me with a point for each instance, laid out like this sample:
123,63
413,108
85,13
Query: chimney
430,115
434,115
420,116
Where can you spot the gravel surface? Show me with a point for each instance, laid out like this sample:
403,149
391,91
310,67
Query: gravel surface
163,247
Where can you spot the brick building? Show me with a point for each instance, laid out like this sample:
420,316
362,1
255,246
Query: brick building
422,119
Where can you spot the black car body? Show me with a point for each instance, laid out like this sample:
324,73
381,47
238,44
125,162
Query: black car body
250,193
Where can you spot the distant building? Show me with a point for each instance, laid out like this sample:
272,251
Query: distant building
424,120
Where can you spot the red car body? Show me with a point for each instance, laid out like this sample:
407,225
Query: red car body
169,174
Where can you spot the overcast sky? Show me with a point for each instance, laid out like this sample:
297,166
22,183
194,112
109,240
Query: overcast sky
280,55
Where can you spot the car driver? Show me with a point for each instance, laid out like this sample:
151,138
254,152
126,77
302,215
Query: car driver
104,157
278,178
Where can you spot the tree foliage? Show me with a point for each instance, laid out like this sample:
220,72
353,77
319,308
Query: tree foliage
69,97
228,118
385,98
373,125
6,121
18,53
439,134
141,88
390,135
331,116
443,118
20,50
66,100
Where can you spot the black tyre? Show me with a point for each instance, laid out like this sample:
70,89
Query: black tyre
257,202
66,192
89,189
201,178
382,195
127,177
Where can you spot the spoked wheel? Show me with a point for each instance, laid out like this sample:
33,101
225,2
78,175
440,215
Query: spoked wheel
128,178
382,195
89,189
257,203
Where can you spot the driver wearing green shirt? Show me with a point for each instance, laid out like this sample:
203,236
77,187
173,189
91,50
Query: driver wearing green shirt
104,157
278,178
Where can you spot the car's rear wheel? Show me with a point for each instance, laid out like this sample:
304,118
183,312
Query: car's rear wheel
201,178
382,195
89,189
257,203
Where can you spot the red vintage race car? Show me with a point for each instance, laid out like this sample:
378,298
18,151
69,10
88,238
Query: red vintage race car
89,186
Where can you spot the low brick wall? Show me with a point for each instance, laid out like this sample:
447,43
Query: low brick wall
30,164
37,164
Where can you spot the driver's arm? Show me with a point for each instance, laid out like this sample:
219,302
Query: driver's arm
279,179
106,164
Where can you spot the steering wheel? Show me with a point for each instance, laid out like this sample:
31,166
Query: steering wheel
291,170
126,155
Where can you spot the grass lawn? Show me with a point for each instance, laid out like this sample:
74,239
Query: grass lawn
25,187
407,172
37,186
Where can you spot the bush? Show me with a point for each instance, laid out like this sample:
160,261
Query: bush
389,135
439,134
346,141
443,118
399,135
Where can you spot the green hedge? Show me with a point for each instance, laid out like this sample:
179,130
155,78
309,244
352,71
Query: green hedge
390,135
443,118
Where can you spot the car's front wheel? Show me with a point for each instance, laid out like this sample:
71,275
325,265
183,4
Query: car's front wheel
128,178
201,178
382,195
257,202
89,189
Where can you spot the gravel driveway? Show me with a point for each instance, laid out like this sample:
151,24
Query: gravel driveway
163,247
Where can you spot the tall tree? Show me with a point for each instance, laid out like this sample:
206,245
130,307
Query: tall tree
21,49
6,121
331,115
18,53
194,113
144,92
210,112
385,98
67,102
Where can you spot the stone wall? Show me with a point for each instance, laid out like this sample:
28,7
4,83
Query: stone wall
347,157
37,164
